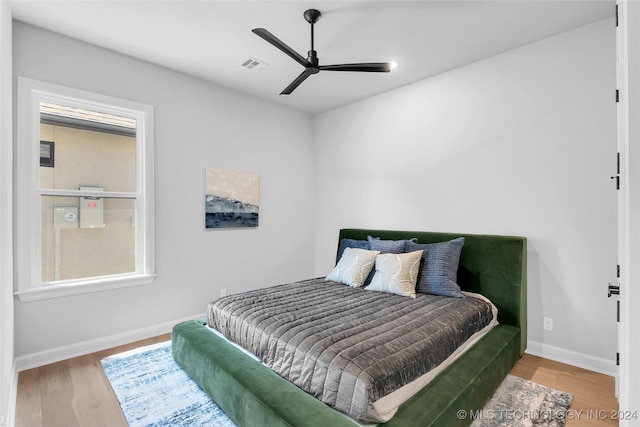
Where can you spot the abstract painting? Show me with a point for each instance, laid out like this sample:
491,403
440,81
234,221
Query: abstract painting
231,199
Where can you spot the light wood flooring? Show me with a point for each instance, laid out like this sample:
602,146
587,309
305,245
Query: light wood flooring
72,393
75,392
594,402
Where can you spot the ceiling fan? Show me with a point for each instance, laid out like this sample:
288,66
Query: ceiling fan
310,63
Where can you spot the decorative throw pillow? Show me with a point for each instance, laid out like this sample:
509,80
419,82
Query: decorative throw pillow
351,243
354,267
396,273
386,246
439,270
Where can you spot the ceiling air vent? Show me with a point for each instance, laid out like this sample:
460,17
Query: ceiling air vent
254,64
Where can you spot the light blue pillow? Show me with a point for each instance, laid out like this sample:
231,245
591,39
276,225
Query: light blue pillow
439,270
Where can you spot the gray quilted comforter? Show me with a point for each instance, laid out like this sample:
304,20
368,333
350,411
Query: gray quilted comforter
346,346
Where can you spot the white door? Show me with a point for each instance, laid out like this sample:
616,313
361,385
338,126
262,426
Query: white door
628,69
614,288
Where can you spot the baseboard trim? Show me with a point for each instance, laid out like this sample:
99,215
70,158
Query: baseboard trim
570,357
57,354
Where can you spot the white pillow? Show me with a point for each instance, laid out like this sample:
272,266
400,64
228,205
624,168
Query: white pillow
396,273
353,267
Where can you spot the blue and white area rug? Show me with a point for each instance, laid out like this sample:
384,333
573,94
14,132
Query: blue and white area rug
154,391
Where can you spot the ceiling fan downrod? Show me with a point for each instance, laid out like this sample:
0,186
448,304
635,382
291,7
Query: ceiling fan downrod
312,16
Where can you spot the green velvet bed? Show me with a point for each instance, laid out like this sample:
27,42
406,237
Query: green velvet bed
253,395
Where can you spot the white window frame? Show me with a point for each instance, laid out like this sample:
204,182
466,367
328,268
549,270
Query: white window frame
27,220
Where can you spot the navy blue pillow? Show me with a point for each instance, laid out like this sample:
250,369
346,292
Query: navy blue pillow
351,243
439,267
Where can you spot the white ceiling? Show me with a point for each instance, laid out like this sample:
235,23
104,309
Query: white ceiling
211,39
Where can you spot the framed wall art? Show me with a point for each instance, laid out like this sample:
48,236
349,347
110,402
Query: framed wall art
231,199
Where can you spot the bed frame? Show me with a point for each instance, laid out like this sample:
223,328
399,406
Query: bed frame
253,395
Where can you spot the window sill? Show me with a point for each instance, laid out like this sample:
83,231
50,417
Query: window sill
78,287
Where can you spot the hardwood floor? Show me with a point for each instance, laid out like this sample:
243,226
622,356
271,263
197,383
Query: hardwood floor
594,402
72,393
75,392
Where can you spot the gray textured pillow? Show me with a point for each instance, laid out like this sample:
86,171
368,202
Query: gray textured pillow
386,246
396,273
354,267
439,271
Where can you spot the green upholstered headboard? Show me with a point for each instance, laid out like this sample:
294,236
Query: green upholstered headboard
494,266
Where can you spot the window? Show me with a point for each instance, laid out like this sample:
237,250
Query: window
84,218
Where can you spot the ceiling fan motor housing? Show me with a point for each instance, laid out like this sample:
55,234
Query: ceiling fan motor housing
312,57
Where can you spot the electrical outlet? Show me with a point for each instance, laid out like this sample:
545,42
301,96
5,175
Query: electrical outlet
548,324
223,292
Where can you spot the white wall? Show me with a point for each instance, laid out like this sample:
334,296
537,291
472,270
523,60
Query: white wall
8,376
522,143
197,125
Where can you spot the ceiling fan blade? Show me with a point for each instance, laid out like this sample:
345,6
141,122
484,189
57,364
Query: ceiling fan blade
281,45
370,67
294,84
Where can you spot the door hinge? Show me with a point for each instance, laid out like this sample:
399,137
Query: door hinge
617,359
618,271
617,95
616,15
618,311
